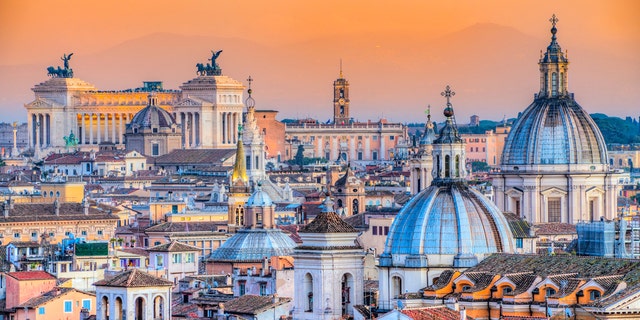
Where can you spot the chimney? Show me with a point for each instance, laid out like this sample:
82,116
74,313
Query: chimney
265,266
56,207
220,310
85,206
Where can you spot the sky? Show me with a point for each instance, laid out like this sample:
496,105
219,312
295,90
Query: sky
397,55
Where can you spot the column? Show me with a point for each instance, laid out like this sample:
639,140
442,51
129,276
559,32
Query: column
193,129
121,124
113,128
106,127
234,118
90,125
198,131
97,128
382,154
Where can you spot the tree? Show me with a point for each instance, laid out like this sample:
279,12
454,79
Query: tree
299,158
480,166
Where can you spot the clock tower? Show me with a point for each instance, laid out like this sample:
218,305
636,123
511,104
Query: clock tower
341,99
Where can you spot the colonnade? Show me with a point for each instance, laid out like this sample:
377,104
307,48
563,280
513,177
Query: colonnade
96,128
230,123
191,124
40,130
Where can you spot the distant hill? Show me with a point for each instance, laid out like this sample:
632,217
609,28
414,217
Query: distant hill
614,129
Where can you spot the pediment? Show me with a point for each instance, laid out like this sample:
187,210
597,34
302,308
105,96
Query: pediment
41,103
553,191
193,102
514,192
594,190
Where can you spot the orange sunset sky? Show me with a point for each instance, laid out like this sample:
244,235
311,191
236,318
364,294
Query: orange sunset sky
397,55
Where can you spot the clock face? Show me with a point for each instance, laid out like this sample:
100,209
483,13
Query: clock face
341,101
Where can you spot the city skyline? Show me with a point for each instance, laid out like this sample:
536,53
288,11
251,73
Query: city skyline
395,57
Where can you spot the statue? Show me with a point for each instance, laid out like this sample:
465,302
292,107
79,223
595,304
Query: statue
60,72
71,140
65,58
214,56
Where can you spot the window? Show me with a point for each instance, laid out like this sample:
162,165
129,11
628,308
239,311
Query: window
241,288
386,230
41,310
375,230
263,289
34,234
155,150
392,137
159,261
68,306
52,234
16,235
375,155
375,138
67,233
506,290
176,258
550,292
553,210
100,232
594,294
86,304
519,243
83,232
189,257
359,155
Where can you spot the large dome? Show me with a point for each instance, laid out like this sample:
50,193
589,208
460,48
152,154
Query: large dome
448,224
152,116
254,245
554,131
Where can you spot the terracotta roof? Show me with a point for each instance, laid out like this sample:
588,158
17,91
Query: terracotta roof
292,231
555,229
481,280
185,227
134,278
250,304
522,280
173,246
356,221
31,275
201,156
48,296
440,312
31,212
327,222
520,228
23,244
443,280
136,251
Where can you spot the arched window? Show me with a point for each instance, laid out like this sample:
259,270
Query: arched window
158,308
554,84
339,203
104,307
140,309
347,293
457,166
561,83
594,294
396,284
506,289
447,166
355,206
308,289
438,166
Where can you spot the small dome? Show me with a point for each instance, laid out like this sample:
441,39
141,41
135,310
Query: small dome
259,198
152,116
254,245
448,224
554,131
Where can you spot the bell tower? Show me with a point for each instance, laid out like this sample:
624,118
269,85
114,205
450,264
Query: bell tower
341,99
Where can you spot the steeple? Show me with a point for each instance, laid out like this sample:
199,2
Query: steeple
429,134
341,99
448,149
553,67
240,166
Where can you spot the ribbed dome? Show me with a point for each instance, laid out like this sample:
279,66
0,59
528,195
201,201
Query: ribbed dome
554,131
254,245
152,116
259,198
446,224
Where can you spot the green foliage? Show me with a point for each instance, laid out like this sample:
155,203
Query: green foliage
299,158
616,130
480,166
2,163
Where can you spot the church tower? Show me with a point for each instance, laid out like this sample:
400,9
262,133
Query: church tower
253,142
422,162
239,188
329,272
341,99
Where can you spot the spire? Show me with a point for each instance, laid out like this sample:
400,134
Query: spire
341,76
250,102
240,167
429,134
553,67
449,132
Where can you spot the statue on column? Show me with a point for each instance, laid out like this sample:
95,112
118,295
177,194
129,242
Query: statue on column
212,69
